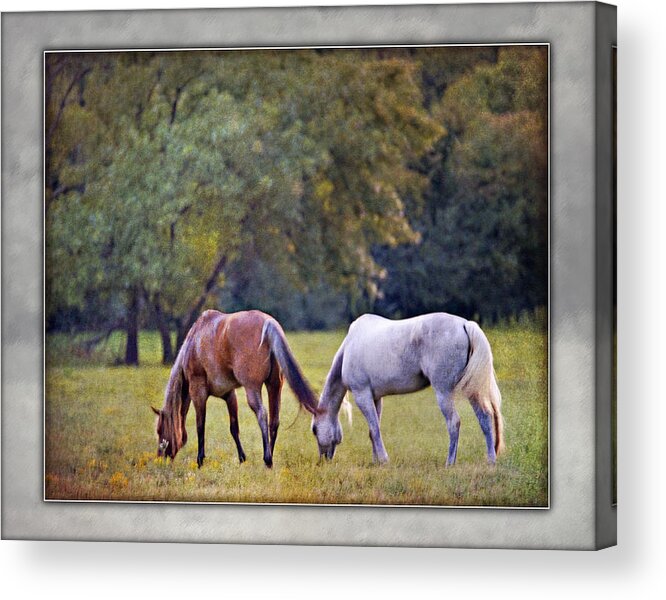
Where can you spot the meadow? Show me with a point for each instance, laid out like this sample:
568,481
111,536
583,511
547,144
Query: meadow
100,441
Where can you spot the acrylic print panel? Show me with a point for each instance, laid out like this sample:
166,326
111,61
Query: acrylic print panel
315,185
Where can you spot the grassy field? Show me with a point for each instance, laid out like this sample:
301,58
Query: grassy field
101,444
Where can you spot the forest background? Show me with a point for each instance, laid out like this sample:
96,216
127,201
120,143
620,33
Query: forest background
312,184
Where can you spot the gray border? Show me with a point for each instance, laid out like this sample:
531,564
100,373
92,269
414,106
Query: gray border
572,520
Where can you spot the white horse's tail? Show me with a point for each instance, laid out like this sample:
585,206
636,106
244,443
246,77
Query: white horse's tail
478,381
347,408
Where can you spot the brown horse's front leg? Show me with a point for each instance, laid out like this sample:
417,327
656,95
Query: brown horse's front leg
201,434
199,396
232,407
183,412
254,400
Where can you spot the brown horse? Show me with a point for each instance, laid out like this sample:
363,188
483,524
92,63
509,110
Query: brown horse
223,352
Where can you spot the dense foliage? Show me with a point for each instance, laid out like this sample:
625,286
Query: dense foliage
313,184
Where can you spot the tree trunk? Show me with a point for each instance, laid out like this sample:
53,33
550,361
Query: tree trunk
181,332
165,334
132,347
186,323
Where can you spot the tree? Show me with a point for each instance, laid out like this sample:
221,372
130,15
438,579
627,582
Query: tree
484,227
174,165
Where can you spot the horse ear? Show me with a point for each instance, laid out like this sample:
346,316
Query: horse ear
157,412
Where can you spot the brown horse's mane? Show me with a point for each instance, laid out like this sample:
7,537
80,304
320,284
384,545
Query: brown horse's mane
172,411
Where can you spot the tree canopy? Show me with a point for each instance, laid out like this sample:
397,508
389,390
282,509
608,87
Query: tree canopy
485,223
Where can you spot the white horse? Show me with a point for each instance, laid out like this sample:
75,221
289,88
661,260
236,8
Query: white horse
380,357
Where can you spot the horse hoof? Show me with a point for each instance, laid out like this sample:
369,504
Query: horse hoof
241,458
269,462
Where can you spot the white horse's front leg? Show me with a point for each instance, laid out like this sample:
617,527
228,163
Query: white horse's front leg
366,403
378,407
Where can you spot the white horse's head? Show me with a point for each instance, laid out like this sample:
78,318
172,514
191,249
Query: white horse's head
328,431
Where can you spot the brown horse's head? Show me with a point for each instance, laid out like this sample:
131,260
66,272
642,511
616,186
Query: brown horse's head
168,438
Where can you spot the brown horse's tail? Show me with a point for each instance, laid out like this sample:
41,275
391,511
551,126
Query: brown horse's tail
272,333
478,380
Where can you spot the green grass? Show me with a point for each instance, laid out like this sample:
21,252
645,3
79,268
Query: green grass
101,443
